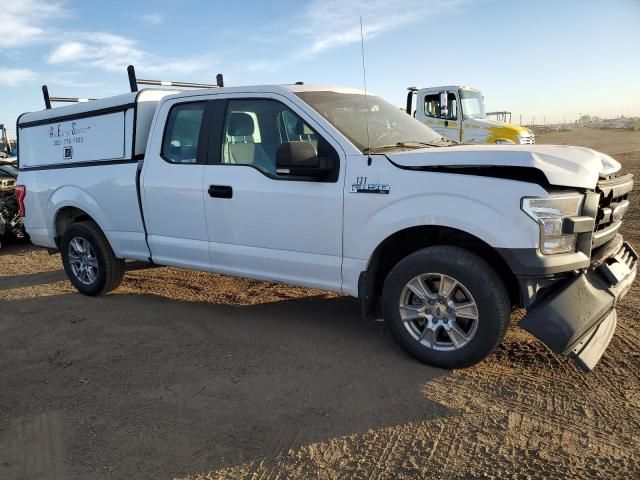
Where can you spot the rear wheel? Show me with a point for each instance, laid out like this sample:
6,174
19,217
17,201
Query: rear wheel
446,306
89,261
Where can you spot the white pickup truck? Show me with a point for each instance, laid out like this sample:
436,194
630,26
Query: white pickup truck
323,187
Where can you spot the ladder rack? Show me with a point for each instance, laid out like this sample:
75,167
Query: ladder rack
133,85
135,81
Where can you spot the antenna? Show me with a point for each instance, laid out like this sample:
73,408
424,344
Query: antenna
366,103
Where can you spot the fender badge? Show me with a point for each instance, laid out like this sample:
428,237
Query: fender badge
370,188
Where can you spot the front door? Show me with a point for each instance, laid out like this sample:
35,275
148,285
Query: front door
446,123
263,225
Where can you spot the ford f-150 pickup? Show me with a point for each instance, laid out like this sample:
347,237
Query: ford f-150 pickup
325,187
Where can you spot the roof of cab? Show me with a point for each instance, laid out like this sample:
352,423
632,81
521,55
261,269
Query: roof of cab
451,87
324,88
283,88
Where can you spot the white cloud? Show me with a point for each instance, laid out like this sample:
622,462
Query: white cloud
153,19
102,50
333,23
263,66
12,77
112,53
23,22
69,79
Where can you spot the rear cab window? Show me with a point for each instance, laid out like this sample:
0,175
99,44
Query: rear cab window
182,133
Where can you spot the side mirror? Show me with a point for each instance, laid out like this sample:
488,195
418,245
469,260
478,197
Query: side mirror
301,159
444,104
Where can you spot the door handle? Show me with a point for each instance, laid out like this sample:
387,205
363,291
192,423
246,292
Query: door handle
220,191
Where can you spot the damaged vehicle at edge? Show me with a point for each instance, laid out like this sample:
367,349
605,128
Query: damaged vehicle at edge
11,223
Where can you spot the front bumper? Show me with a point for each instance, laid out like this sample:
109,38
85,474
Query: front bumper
578,318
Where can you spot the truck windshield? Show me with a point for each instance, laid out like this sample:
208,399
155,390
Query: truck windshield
389,126
472,104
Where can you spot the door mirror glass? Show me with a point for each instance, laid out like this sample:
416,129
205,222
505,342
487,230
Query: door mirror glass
444,104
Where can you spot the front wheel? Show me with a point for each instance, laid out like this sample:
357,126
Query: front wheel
446,306
89,261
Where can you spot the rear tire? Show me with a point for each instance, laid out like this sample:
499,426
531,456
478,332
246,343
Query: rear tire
455,308
89,261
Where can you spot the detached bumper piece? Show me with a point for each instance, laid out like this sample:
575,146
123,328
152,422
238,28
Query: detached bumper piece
579,318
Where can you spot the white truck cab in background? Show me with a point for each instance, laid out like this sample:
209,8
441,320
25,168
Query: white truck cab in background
457,112
313,186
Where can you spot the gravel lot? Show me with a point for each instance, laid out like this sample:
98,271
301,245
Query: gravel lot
182,374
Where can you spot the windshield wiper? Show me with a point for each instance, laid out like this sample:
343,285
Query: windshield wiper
438,142
396,145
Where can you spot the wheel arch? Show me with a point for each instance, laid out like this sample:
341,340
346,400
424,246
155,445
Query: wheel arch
67,216
70,204
409,240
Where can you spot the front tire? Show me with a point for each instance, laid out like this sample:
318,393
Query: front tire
446,306
89,261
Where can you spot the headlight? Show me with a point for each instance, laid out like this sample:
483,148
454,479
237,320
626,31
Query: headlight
550,212
505,141
525,139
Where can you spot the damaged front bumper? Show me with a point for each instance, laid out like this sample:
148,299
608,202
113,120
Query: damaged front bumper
578,318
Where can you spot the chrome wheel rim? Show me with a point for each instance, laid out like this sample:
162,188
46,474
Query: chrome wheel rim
82,260
439,312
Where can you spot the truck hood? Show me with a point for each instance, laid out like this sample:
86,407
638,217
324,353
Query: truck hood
562,165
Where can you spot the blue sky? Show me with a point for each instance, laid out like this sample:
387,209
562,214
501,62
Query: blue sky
548,58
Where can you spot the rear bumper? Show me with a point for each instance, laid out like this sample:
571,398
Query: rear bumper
578,318
42,237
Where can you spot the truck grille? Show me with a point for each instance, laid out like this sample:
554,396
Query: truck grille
613,203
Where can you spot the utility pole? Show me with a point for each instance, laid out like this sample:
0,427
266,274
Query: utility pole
520,119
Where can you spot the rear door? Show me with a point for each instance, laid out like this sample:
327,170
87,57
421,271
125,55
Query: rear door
260,224
171,184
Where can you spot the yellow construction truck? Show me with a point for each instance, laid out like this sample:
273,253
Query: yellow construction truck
457,112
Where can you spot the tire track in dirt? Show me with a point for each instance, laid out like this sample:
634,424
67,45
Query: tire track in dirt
31,448
532,416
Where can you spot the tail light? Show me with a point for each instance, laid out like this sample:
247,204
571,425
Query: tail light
21,192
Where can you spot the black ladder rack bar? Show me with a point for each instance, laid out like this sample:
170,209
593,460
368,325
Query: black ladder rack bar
71,99
134,82
164,83
48,100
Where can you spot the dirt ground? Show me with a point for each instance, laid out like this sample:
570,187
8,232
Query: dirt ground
182,374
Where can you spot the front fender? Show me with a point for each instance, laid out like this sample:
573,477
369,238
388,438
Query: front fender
449,210
488,209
